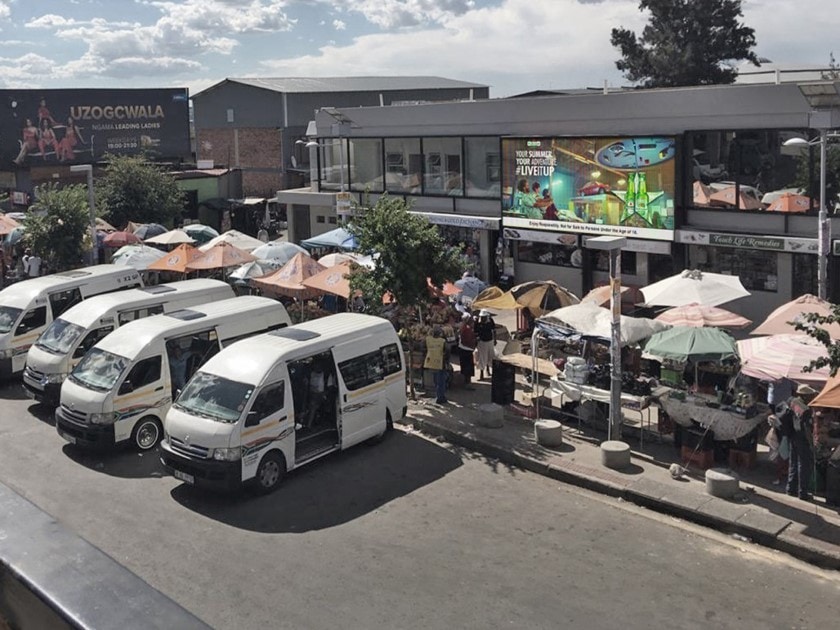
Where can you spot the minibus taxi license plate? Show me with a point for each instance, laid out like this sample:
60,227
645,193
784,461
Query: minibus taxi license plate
71,439
183,476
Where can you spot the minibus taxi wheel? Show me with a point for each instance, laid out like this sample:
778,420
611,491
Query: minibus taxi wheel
271,471
389,426
147,433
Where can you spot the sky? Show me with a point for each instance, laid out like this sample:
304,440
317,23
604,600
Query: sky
514,46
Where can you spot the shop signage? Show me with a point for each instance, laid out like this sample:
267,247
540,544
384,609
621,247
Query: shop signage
647,247
344,203
460,220
20,198
594,229
835,248
540,237
768,243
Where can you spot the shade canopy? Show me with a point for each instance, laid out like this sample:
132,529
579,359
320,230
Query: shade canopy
331,260
729,197
118,239
698,316
591,320
253,269
7,224
149,230
782,356
702,194
172,237
470,286
602,295
335,280
232,237
288,280
139,257
830,394
221,256
686,343
103,226
201,233
338,238
282,251
782,320
177,260
539,297
694,287
790,202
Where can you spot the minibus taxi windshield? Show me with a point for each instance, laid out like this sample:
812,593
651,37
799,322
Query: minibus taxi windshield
214,397
59,337
8,316
99,370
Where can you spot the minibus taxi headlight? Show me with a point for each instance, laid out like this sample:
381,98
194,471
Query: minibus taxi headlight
54,378
7,353
102,418
227,454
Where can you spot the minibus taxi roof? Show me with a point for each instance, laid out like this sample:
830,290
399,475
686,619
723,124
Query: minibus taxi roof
21,294
88,312
130,339
249,360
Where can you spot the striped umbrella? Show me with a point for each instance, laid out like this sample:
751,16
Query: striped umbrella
698,316
782,356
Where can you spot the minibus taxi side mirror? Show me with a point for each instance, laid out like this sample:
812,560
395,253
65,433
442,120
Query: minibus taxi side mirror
80,352
126,388
252,419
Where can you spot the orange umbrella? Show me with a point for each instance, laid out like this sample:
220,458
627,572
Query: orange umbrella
288,280
830,394
176,260
221,256
335,280
727,197
447,289
7,224
790,202
702,194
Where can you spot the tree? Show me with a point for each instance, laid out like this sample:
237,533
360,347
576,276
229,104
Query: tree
686,42
812,324
808,174
133,189
409,250
58,225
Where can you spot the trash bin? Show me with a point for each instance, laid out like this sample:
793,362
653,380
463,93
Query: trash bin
503,383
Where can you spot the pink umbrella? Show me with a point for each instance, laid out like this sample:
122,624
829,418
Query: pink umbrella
780,320
698,316
782,356
119,239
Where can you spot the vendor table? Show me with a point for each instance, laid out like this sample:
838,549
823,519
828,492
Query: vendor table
526,362
725,424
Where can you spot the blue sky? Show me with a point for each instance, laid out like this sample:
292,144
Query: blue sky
512,45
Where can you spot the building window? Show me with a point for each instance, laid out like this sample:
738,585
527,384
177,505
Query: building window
805,274
403,165
757,269
332,170
555,254
482,167
628,262
366,165
230,115
443,175
320,219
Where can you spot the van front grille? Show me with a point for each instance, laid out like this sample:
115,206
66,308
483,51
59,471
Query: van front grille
190,450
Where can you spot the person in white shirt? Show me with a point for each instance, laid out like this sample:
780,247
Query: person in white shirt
31,264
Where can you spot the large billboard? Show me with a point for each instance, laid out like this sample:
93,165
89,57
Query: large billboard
622,186
43,127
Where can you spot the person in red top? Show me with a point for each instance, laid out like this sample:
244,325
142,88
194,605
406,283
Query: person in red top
29,144
44,113
466,348
66,148
47,139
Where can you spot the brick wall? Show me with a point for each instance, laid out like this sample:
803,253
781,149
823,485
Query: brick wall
259,156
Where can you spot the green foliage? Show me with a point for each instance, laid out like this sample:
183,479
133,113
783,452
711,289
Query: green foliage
808,174
811,324
409,249
686,42
58,225
133,189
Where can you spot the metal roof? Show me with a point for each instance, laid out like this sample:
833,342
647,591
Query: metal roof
304,85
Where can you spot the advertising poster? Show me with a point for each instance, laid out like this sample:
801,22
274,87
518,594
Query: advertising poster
620,186
42,127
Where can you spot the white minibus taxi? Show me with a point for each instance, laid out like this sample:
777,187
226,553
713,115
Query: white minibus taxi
27,307
123,387
277,401
62,345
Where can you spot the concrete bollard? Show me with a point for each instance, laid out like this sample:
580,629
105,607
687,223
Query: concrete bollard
722,483
491,415
615,454
548,432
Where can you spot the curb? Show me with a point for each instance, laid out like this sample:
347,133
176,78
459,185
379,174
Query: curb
780,541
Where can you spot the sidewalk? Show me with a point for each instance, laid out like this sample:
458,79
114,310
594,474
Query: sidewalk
762,513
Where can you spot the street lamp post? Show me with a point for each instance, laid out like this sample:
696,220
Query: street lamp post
88,169
613,244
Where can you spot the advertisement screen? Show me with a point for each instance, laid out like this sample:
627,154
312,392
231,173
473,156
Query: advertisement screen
621,186
43,127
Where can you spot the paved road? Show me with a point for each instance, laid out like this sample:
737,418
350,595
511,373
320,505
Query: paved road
407,534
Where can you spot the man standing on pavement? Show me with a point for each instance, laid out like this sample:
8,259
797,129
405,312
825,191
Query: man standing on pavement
796,426
466,348
31,264
436,362
485,331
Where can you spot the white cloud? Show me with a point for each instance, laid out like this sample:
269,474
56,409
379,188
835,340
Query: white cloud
339,25
389,14
5,9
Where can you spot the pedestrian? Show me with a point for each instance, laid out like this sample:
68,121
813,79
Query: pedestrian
485,332
435,362
796,423
31,264
466,348
262,234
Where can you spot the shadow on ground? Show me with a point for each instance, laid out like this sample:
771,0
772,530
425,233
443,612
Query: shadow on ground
123,462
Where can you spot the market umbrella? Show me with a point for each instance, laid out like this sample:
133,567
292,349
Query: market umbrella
602,295
233,237
783,318
339,237
591,320
148,230
177,260
253,269
14,237
335,280
331,260
201,233
830,394
221,256
288,280
470,286
138,256
121,238
694,287
790,202
494,297
699,316
702,194
687,343
728,198
782,356
281,251
103,226
172,237
539,296
7,224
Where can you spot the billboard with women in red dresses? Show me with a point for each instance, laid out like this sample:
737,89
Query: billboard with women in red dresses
43,127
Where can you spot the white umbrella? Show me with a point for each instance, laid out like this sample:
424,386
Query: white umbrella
282,251
470,286
139,257
235,238
594,321
253,269
331,260
694,287
172,237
